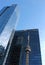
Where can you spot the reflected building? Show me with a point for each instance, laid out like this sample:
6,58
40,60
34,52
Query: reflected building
17,55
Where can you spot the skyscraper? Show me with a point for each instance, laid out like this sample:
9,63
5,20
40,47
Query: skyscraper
5,15
17,55
8,21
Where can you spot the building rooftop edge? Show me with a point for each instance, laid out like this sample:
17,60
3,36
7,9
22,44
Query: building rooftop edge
28,30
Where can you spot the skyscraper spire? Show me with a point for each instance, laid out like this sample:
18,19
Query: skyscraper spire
28,49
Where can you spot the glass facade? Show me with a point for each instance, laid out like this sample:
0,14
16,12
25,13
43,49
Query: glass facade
8,22
5,15
17,54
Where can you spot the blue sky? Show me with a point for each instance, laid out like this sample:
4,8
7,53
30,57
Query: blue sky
32,15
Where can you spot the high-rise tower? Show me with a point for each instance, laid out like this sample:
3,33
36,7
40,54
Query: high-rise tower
6,15
17,54
8,22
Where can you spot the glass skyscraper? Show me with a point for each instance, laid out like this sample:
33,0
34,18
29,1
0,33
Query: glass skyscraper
8,22
17,55
5,16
